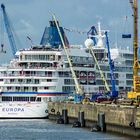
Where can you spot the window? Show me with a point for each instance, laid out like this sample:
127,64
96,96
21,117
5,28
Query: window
66,81
36,81
17,88
38,99
49,80
46,87
34,88
68,88
11,80
20,98
20,80
32,99
129,76
9,88
49,73
25,88
28,81
6,98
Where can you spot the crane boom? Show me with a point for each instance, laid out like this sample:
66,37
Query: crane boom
78,88
9,30
100,71
111,66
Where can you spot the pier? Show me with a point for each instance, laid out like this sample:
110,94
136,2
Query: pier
117,118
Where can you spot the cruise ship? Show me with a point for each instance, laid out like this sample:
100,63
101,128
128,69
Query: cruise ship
41,74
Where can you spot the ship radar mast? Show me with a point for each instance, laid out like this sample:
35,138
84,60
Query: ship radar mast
100,36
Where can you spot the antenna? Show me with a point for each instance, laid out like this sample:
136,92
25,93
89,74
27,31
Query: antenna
30,40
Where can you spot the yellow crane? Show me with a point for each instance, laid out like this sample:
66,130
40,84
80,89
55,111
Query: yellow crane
136,67
77,85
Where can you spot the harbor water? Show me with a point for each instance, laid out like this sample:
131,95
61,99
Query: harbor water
42,129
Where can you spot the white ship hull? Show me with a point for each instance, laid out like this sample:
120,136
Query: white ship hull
23,110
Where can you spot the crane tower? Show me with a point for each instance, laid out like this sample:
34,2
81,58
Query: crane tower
9,30
136,77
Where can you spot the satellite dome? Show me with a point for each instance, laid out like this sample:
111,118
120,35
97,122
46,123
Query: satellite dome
89,43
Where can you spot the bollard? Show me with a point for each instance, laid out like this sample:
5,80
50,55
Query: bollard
65,116
101,121
81,118
77,123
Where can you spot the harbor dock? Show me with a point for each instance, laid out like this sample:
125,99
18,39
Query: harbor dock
117,118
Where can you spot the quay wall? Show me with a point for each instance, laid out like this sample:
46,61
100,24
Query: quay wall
118,118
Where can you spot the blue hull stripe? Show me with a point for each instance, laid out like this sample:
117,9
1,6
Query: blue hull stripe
35,93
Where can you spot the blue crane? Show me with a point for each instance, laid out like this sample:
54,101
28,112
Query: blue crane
9,30
114,93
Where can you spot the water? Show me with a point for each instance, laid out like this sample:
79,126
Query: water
46,130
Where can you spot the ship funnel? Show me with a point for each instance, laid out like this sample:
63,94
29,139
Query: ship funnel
51,36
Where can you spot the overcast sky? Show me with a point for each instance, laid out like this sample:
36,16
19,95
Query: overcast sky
29,18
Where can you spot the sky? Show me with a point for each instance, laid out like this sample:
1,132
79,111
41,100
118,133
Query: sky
29,18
